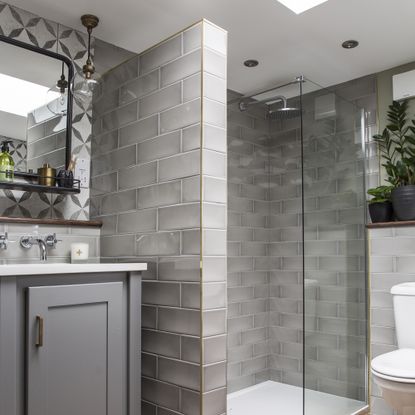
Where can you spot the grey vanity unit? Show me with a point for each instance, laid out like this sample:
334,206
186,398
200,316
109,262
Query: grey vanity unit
70,339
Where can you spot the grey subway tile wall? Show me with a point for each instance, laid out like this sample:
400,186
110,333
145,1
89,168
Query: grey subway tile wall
248,239
15,254
333,282
158,134
214,224
392,261
265,266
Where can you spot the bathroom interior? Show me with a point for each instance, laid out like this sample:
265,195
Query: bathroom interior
202,210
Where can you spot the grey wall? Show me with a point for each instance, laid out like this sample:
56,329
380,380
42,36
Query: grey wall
392,262
334,247
248,246
159,133
385,97
15,254
385,92
285,250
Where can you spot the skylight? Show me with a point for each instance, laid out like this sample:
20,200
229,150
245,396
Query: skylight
300,6
21,97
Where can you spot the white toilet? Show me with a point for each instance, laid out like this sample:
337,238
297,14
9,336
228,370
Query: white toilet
394,372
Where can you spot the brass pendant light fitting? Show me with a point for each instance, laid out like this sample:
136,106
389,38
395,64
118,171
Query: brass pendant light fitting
90,22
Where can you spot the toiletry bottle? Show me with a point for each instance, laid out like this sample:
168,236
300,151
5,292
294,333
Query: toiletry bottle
6,163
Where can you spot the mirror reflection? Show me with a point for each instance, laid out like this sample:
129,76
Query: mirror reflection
33,107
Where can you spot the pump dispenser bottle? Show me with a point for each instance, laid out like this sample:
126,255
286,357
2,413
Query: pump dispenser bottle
6,163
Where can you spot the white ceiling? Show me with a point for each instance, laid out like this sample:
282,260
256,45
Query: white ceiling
286,44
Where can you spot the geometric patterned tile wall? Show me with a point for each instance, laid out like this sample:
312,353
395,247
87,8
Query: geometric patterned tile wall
27,27
18,150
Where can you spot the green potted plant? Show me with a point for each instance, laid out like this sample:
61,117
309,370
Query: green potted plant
397,148
380,206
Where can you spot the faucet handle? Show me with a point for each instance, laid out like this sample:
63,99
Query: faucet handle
51,240
26,241
4,240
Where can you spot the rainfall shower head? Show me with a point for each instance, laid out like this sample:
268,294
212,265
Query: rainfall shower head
283,113
244,104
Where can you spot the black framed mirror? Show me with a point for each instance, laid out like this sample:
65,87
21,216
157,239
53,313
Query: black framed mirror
36,104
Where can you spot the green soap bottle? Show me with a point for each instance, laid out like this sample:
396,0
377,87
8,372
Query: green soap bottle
6,163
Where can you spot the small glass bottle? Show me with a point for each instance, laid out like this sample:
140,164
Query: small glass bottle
6,163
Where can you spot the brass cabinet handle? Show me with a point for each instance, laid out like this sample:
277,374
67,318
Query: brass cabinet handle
40,331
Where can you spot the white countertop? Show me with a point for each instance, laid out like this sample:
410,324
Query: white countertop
53,268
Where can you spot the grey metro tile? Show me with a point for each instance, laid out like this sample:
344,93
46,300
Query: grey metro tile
158,101
181,68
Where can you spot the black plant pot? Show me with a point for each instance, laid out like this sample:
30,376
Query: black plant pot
403,200
381,212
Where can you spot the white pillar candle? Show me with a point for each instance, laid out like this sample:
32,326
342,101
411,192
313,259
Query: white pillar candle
79,252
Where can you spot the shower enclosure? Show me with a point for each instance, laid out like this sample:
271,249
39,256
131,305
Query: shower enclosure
297,297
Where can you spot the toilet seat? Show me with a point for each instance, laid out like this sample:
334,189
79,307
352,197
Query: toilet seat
398,366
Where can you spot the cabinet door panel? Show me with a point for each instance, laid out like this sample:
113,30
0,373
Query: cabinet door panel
78,369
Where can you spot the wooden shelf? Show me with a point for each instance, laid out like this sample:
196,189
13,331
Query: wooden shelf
38,188
52,222
390,224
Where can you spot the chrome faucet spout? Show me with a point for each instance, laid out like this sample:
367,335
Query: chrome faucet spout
42,249
28,241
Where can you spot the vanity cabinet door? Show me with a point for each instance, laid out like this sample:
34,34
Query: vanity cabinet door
75,349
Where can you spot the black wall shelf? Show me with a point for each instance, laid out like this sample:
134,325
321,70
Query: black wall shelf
27,184
30,187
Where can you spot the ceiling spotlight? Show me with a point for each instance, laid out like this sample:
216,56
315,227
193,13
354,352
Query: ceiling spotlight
350,44
251,63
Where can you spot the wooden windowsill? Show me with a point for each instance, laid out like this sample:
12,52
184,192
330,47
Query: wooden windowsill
53,222
390,224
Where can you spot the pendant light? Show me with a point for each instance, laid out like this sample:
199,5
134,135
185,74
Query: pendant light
57,96
87,85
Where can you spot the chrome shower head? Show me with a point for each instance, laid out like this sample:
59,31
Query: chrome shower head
244,103
283,113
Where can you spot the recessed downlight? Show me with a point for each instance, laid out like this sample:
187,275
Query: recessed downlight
251,63
350,44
